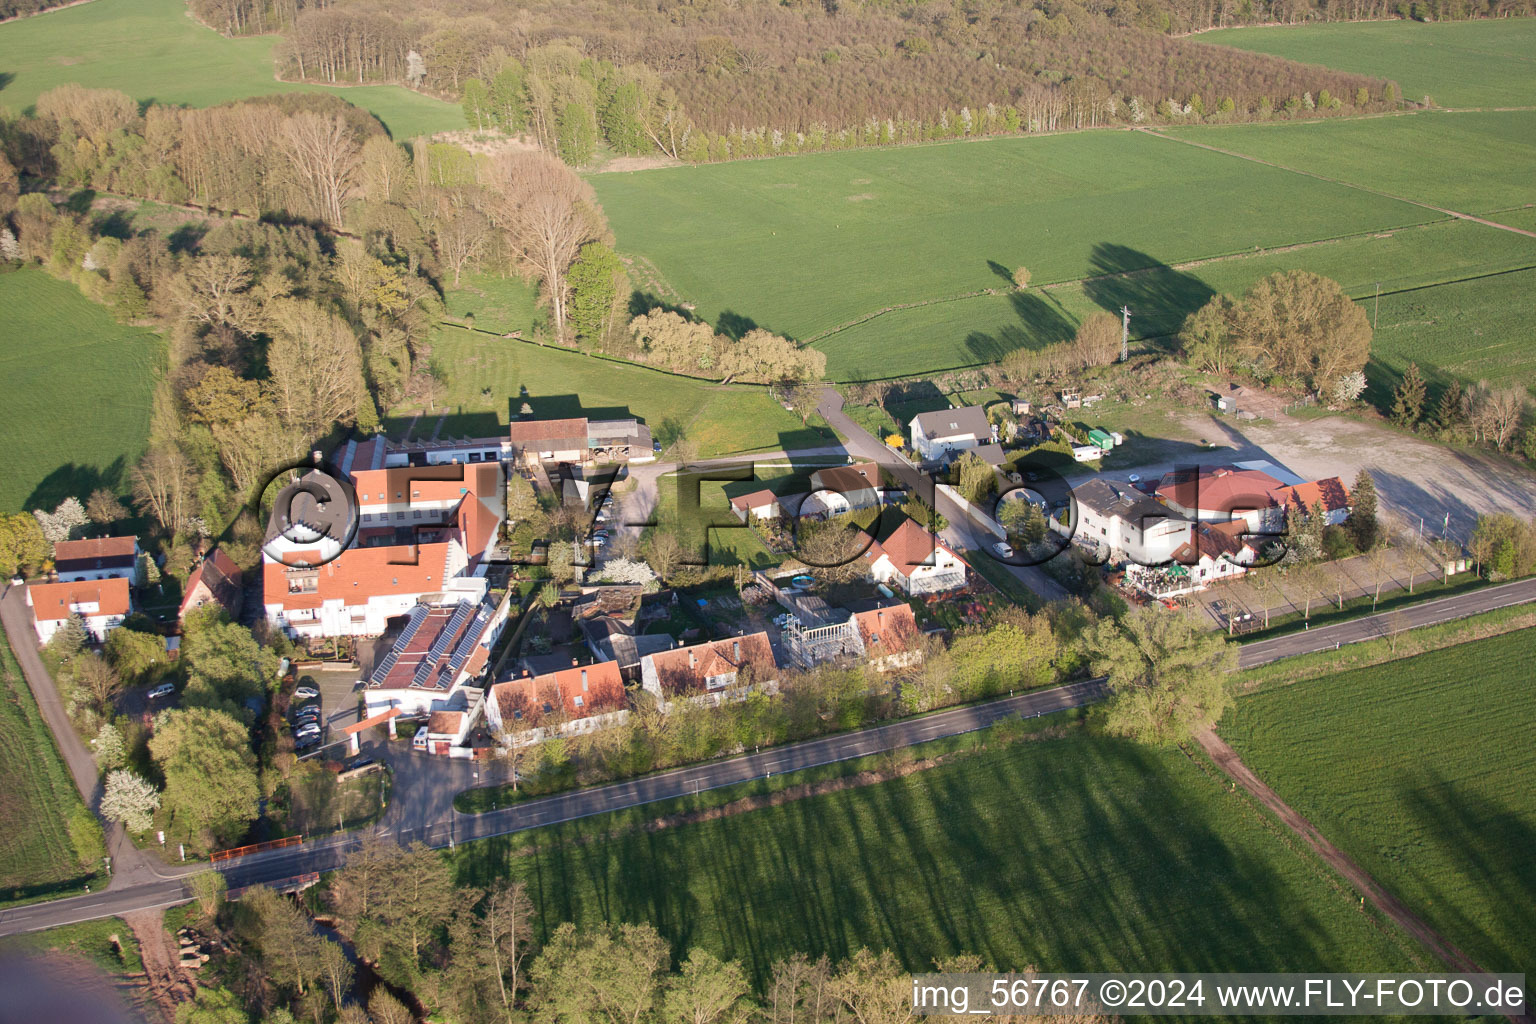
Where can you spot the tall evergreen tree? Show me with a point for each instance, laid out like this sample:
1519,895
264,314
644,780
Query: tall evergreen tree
1408,398
1361,524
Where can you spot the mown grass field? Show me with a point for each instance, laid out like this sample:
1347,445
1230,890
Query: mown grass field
1471,162
153,50
486,374
78,389
1455,63
800,245
1069,853
1423,770
37,796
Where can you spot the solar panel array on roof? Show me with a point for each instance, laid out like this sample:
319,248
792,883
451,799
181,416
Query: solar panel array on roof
413,623
444,638
472,637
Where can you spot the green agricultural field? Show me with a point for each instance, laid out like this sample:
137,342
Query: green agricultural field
1474,330
41,858
1424,772
800,245
78,387
1071,853
1411,261
484,370
1455,63
153,50
1470,162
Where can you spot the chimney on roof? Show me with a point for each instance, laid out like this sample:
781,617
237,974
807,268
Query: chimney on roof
573,663
691,659
736,650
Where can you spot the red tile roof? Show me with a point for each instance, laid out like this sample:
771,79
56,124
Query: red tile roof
580,691
1331,492
365,571
445,723
757,499
890,629
222,578
909,546
683,671
412,483
52,601
101,553
531,432
1224,489
1213,540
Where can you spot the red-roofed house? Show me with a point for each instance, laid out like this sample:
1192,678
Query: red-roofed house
444,731
1217,551
710,671
98,559
216,580
762,504
582,698
915,560
424,532
103,604
1330,493
890,636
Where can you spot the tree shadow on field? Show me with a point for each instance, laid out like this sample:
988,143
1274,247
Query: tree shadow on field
1040,323
642,302
733,325
1490,841
1000,270
1159,297
73,481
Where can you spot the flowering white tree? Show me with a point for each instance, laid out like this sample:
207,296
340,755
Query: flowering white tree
415,69
627,570
10,248
1347,388
111,751
131,799
65,522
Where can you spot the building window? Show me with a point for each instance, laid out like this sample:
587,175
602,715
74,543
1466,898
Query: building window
399,515
416,514
576,700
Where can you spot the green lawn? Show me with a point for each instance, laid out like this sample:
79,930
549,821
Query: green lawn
500,304
153,50
801,245
1423,770
485,374
1457,63
1071,853
79,388
37,797
93,940
1470,162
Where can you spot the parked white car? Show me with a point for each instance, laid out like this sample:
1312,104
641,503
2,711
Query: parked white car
163,690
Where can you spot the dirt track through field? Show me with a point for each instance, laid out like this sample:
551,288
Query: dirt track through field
169,985
1229,762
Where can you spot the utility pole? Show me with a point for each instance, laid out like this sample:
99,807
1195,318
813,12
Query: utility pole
1125,332
1376,310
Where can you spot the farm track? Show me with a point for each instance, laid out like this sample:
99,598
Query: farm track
1229,762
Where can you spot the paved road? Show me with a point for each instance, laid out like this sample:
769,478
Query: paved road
327,853
963,532
1372,627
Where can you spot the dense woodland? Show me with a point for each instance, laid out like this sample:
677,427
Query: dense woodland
702,82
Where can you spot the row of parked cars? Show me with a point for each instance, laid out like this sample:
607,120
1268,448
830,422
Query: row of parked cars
304,717
600,535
